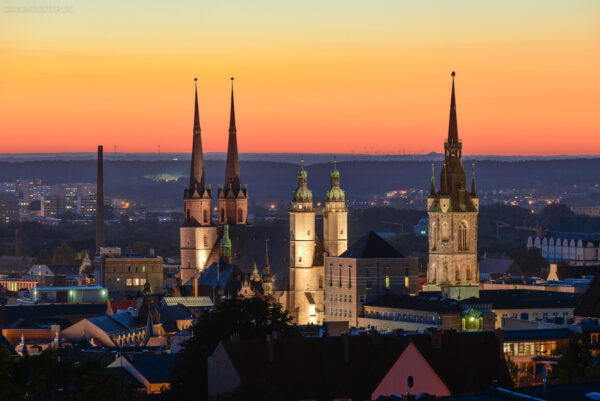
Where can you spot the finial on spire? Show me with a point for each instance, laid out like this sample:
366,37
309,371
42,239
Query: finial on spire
453,74
334,163
453,126
473,192
432,191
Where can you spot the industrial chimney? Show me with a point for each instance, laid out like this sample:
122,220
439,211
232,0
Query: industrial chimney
100,202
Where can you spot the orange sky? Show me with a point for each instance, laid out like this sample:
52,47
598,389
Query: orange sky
364,77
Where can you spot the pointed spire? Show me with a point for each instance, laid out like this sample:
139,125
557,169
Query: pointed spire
473,192
432,191
444,181
197,177
149,329
453,125
267,270
232,172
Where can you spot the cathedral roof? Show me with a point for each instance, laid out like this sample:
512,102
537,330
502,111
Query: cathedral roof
371,246
335,193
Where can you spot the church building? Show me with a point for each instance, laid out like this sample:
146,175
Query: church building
199,237
306,298
453,213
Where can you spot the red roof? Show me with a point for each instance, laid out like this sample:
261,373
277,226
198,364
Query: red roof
121,304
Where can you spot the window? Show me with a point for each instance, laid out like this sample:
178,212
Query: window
136,281
468,273
457,274
136,269
129,269
205,240
240,215
144,269
445,232
340,277
129,282
349,278
387,277
205,216
462,236
407,281
222,215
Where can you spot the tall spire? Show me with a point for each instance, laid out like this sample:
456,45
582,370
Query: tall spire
267,270
232,172
432,191
197,178
453,125
473,192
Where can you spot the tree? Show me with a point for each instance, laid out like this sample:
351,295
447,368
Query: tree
63,254
249,318
530,260
45,377
576,364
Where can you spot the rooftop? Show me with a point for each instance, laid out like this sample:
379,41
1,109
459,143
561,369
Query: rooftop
371,246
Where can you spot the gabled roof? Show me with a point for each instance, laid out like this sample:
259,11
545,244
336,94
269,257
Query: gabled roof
316,368
169,315
467,362
117,322
155,367
371,246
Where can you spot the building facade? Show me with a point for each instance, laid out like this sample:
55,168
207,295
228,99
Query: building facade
125,275
577,249
9,209
452,214
369,269
335,217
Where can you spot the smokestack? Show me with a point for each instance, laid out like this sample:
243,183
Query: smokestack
100,202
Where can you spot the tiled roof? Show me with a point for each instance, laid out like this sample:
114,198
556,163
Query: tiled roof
537,334
525,299
371,246
32,312
156,368
117,322
169,315
422,302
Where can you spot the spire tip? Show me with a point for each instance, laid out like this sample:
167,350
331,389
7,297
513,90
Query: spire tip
453,74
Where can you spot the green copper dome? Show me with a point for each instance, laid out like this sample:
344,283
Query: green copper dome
302,193
335,193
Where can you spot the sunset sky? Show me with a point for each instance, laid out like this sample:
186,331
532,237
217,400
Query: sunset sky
311,76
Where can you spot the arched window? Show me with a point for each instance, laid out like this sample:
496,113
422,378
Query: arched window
462,236
205,240
189,216
468,273
434,235
457,274
222,215
205,216
240,215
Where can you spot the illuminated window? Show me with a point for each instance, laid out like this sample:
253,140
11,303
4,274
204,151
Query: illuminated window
129,282
312,310
388,273
407,281
144,269
136,281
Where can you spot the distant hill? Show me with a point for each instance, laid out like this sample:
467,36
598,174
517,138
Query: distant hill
276,180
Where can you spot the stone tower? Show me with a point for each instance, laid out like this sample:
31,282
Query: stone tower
233,199
335,217
453,222
198,235
306,298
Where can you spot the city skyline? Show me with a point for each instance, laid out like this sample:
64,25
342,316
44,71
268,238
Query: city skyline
378,83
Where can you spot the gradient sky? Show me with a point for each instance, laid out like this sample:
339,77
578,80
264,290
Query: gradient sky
311,76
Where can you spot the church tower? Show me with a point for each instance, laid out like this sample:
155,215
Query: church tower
335,217
453,222
306,280
198,235
233,199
